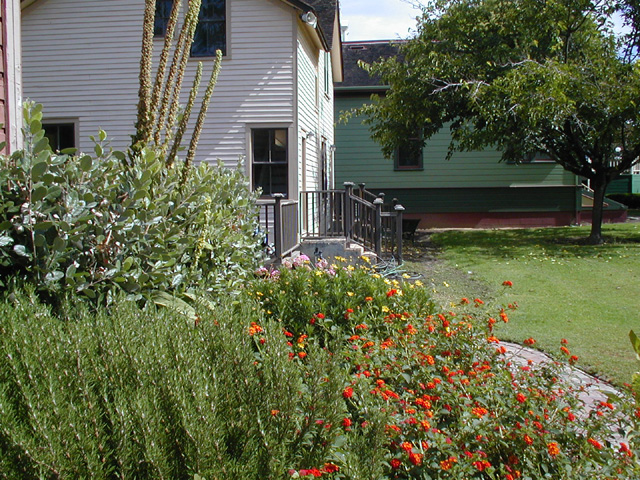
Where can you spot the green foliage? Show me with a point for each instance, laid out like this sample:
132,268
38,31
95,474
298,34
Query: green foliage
521,76
93,225
400,392
635,343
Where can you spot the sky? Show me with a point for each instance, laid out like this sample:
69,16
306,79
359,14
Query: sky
377,19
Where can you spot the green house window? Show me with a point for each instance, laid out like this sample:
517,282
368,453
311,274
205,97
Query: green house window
408,156
211,32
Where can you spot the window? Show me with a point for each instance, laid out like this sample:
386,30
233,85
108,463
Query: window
409,155
211,32
60,135
327,76
270,160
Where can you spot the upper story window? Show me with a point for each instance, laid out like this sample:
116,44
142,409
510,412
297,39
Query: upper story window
409,155
211,33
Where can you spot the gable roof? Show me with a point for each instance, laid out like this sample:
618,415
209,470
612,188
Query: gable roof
369,52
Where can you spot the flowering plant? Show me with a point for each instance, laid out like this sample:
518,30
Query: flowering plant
436,395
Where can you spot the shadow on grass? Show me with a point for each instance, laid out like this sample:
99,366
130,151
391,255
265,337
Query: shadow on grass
558,242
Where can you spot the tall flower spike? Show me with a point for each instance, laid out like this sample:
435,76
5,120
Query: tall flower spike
190,24
203,112
164,56
143,124
185,117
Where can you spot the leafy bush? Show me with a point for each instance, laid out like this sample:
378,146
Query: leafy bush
97,224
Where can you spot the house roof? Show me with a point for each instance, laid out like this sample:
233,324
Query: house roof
369,52
326,10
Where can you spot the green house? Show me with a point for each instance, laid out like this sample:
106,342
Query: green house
472,189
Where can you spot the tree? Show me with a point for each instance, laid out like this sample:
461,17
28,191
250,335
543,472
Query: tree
524,76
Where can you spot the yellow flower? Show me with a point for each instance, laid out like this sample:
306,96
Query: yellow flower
385,309
260,294
418,283
365,259
350,294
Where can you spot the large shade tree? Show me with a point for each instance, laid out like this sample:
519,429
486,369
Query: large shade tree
525,76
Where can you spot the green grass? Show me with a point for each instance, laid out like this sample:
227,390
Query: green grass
564,288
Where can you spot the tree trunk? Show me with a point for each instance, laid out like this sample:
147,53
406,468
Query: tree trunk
599,186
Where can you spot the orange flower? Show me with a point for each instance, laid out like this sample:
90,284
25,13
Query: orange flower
302,354
347,392
528,440
553,448
481,465
521,398
479,411
254,328
275,412
392,292
529,341
368,299
595,443
416,458
406,446
448,463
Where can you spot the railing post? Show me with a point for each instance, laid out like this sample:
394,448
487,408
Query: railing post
348,210
361,189
378,232
277,224
399,209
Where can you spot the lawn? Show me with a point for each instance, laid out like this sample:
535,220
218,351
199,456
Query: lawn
565,289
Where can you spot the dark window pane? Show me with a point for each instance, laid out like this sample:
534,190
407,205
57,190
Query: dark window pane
409,155
211,32
163,12
270,168
60,135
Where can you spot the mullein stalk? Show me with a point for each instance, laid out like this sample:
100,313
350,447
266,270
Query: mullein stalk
168,85
164,57
143,124
191,22
185,117
201,116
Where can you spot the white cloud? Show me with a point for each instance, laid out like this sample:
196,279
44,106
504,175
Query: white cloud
378,19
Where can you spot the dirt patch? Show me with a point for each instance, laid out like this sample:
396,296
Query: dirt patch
448,283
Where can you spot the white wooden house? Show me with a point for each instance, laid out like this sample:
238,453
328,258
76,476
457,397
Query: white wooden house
272,106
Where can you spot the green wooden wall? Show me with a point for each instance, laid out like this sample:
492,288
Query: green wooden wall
358,159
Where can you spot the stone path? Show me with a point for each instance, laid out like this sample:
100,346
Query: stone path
592,390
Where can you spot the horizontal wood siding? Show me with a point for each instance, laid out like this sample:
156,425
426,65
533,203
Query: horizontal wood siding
308,110
81,60
359,159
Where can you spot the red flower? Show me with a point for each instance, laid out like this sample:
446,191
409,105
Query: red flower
346,422
347,392
330,468
392,292
416,458
529,341
320,316
528,440
553,448
481,465
521,398
395,463
464,301
507,283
